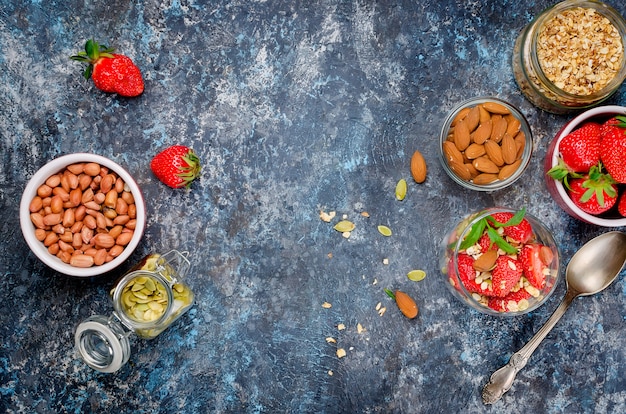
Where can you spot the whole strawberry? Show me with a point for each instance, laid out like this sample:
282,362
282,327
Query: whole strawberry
595,193
110,72
613,148
176,166
621,205
580,149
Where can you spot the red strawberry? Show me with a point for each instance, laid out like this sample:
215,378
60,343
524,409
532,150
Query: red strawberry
595,193
176,166
111,73
621,205
505,275
467,274
521,232
509,302
613,148
485,243
532,264
580,149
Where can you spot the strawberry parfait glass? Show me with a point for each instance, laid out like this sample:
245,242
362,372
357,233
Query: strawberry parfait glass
500,261
585,166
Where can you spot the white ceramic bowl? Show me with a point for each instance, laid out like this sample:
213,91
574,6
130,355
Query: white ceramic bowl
28,228
556,188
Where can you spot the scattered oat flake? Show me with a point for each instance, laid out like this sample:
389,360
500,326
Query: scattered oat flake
331,340
330,372
330,255
360,328
365,214
346,234
382,311
385,261
378,305
327,217
345,216
375,282
341,353
341,327
326,305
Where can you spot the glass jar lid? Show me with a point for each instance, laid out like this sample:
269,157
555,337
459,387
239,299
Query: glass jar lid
102,343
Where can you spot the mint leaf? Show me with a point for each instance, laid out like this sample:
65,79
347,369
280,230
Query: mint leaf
500,242
474,234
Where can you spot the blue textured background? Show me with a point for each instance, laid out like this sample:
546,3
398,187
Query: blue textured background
294,106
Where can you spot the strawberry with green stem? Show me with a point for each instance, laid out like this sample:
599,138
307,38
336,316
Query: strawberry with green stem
176,166
110,72
594,193
613,147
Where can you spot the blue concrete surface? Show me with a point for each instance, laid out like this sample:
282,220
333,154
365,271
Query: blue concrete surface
294,107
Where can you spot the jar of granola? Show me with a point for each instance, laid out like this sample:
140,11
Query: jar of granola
571,56
146,301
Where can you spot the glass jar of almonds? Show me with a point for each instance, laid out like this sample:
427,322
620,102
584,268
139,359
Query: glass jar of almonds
571,56
146,301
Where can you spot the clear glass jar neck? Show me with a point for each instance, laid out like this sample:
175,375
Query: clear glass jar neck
103,343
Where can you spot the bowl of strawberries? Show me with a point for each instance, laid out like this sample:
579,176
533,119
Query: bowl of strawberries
500,261
585,166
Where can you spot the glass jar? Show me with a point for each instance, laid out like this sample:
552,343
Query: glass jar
146,301
566,92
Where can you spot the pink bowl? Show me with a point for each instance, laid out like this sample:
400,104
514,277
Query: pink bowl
556,188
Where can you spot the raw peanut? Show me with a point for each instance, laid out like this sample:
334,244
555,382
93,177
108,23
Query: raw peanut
106,184
60,191
494,152
52,219
473,118
92,205
508,170
90,251
509,149
75,197
482,133
65,183
496,108
122,206
54,249
100,257
64,256
485,178
80,213
40,234
513,125
36,204
460,116
53,180
103,240
67,237
76,227
46,209
77,240
116,231
76,168
474,151
111,198
132,211
119,185
486,261
484,114
451,152
116,250
68,218
56,204
418,168
72,179
101,222
124,238
485,165
460,170
99,197
87,196
132,223
90,222
92,169
128,197
81,260
461,136
124,218
110,213
109,222
58,229
65,247
86,234
84,182
44,191
50,239
498,129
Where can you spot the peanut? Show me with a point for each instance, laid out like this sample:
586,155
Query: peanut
78,221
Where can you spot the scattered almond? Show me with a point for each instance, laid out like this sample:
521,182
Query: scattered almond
418,167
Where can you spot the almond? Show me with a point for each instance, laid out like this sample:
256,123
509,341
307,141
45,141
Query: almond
451,152
509,149
418,167
496,108
460,116
546,255
473,118
513,125
473,171
508,170
475,151
499,128
484,114
494,152
461,136
460,170
406,304
484,164
485,178
482,133
486,261
520,142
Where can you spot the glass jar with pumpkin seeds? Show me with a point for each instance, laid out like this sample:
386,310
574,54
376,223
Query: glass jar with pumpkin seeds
146,301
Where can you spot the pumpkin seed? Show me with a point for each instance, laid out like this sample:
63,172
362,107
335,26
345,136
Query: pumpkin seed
344,226
384,230
416,275
401,189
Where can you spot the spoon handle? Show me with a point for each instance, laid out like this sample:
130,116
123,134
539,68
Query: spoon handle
502,379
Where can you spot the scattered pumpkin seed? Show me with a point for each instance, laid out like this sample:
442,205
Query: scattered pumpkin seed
416,275
401,189
384,230
344,226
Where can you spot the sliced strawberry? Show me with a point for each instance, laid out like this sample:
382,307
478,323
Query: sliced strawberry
521,232
509,302
532,265
485,243
467,274
505,275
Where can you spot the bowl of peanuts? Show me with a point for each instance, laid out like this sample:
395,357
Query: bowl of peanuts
82,214
486,144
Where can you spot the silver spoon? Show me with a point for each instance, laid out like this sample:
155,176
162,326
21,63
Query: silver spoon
592,269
